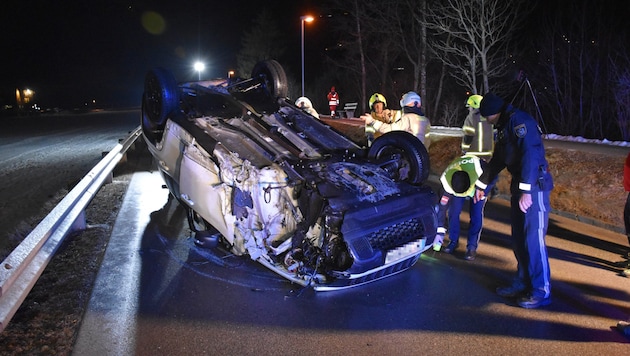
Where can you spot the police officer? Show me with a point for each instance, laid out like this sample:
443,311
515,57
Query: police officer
458,182
519,148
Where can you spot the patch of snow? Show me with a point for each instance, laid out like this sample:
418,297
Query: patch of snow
457,131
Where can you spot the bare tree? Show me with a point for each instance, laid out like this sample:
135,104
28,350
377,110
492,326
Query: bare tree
584,61
622,98
471,42
367,48
473,37
403,21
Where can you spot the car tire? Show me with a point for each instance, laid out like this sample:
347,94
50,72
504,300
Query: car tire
273,77
159,99
398,151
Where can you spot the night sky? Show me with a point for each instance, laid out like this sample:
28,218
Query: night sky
71,52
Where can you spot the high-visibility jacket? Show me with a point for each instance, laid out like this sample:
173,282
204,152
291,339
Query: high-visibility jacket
478,135
333,98
468,163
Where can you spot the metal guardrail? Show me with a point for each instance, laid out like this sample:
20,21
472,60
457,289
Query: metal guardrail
21,269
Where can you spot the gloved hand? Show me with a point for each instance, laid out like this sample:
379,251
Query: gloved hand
437,242
368,119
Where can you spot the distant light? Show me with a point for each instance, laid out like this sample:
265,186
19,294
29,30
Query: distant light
199,66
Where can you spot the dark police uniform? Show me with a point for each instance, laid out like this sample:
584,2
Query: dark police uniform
519,147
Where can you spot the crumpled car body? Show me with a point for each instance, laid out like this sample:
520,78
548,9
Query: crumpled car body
261,178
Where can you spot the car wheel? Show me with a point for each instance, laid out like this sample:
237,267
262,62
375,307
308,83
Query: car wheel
273,78
402,155
160,98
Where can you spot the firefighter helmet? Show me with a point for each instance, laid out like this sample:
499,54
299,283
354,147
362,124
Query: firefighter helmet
377,98
410,98
474,101
303,101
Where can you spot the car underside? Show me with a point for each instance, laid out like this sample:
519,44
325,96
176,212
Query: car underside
261,178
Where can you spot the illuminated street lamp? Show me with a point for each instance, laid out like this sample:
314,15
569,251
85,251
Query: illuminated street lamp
199,67
27,96
302,20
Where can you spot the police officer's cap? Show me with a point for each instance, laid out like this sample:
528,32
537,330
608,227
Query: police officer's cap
490,104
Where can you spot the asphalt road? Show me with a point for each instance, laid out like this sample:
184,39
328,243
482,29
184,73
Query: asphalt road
41,156
158,294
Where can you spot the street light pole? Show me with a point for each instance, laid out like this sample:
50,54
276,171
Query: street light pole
302,20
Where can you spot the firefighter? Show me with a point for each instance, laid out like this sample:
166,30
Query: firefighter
478,132
305,104
478,137
378,112
410,119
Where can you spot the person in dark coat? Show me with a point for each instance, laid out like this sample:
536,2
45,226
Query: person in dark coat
519,148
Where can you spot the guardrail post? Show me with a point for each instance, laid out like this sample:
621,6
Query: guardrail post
79,223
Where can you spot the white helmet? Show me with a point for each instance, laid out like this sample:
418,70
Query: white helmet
410,99
303,101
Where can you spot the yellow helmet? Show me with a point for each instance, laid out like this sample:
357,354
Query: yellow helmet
474,101
377,98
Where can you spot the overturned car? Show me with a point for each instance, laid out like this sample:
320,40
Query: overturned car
259,177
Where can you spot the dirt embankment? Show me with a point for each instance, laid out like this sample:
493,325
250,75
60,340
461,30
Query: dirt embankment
587,185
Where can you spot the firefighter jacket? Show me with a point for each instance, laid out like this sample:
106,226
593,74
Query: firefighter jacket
478,135
411,120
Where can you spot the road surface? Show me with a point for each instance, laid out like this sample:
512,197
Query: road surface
42,156
158,294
